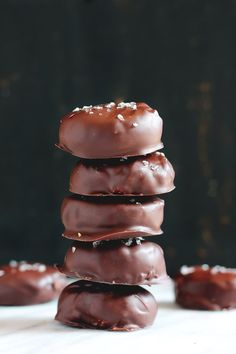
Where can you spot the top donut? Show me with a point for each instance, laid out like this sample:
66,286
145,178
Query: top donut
111,131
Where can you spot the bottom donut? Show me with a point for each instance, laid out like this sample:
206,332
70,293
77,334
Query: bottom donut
85,304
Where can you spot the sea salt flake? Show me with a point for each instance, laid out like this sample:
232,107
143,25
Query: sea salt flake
153,167
205,267
79,234
73,249
120,117
131,105
1,272
218,269
110,105
42,268
96,243
139,240
145,163
134,125
128,242
221,269
77,109
23,267
13,263
184,270
85,108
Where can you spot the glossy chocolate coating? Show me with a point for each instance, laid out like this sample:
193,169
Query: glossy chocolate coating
104,131
91,219
144,175
133,262
205,288
24,283
86,304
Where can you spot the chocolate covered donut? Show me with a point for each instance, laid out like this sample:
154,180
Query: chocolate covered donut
206,288
86,304
23,283
111,130
131,262
114,205
144,175
91,219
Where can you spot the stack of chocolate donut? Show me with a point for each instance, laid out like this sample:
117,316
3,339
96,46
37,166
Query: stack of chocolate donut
113,206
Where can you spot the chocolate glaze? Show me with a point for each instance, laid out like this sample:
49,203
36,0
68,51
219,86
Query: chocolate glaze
91,219
144,175
86,304
105,131
133,262
23,283
205,288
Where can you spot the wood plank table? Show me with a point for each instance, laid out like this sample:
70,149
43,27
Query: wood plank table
32,330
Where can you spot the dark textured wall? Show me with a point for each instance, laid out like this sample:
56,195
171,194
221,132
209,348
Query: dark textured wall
178,56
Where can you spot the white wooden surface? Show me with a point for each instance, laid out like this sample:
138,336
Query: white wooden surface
32,330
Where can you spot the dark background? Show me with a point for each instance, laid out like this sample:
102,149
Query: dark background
178,56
